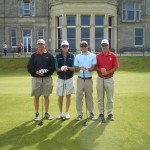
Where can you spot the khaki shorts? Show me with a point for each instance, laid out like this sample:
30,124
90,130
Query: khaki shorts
65,86
42,86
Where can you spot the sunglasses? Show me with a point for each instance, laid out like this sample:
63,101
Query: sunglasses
104,45
83,45
64,46
40,44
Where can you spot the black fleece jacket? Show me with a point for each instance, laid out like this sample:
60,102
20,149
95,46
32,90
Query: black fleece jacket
41,61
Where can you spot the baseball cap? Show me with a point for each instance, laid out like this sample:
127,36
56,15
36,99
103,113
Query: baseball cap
64,43
40,41
84,42
104,41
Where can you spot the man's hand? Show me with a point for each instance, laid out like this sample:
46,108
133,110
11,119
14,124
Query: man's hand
82,69
103,71
38,73
64,68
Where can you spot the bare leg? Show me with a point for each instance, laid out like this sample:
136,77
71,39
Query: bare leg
68,101
36,103
46,103
60,103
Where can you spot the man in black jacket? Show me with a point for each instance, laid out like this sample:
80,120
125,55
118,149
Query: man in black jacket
64,64
41,66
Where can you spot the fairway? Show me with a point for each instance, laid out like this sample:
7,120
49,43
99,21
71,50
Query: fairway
129,131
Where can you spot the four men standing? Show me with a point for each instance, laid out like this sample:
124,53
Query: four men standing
42,65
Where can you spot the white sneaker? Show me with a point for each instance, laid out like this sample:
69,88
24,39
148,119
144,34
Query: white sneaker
93,117
67,115
36,118
59,115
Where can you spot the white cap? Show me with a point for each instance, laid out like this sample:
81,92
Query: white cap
40,41
84,42
105,41
64,43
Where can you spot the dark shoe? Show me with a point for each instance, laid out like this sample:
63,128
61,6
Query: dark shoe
79,118
110,117
48,116
101,117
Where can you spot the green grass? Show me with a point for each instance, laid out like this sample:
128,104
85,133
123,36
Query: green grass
129,131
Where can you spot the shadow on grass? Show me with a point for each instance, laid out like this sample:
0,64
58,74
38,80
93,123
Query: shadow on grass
54,135
74,136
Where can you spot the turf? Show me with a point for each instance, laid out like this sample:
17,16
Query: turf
129,131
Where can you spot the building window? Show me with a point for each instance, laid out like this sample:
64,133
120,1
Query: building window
130,11
13,37
139,37
59,31
99,30
85,28
26,7
110,23
71,31
40,33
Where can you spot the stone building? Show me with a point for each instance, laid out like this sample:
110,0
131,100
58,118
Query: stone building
25,21
125,23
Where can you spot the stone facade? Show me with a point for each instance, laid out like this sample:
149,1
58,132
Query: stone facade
46,11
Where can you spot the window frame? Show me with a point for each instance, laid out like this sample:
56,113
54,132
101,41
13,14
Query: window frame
86,27
59,27
99,27
73,26
136,12
11,37
22,9
143,37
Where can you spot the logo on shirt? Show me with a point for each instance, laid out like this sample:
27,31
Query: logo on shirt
110,59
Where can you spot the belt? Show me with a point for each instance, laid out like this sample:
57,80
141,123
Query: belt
84,77
106,77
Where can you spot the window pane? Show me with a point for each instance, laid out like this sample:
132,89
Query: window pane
139,32
13,33
137,15
59,21
139,41
124,15
123,5
85,20
99,20
85,32
40,32
60,33
130,6
71,21
110,21
97,43
26,32
72,43
130,15
71,33
13,42
99,32
86,39
13,37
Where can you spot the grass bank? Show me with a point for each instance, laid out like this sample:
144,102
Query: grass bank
10,66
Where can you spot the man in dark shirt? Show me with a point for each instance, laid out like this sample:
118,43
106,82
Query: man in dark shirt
41,66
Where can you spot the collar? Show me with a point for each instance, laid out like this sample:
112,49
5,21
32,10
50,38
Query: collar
39,52
109,53
84,53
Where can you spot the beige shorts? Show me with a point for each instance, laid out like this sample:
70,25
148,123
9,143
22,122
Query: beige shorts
42,86
65,86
